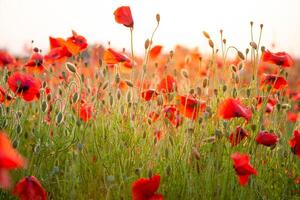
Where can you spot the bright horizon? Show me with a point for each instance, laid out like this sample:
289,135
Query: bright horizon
182,22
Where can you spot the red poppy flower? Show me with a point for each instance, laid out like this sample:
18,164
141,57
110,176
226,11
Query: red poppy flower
25,85
153,116
155,51
292,117
57,55
86,111
149,94
231,108
236,137
270,104
276,82
35,63
5,97
76,43
267,139
295,143
29,188
167,85
123,16
112,57
9,159
172,115
242,167
6,59
145,189
281,58
190,106
56,42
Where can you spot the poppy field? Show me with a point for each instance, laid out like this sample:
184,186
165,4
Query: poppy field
84,121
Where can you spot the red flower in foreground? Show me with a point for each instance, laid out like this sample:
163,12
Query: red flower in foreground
9,159
236,137
29,188
167,85
6,59
281,58
267,139
25,85
295,143
190,106
123,16
276,82
35,63
231,108
149,94
145,189
242,167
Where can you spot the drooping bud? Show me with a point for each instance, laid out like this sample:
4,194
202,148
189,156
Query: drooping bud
206,34
158,17
71,67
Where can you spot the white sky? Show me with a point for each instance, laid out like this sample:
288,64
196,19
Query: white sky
182,22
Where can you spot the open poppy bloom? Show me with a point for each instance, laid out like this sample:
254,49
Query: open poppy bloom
295,143
190,106
145,189
6,59
35,63
281,58
25,85
172,115
267,139
155,51
112,57
76,43
167,85
5,98
29,188
292,117
236,137
231,108
242,167
276,82
149,94
270,104
123,16
58,51
86,111
9,159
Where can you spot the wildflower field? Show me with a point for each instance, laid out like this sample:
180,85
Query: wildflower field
85,121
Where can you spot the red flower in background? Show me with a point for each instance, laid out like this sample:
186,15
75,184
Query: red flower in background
267,139
295,143
167,85
25,85
292,117
76,43
242,167
123,16
173,116
236,137
86,111
155,51
29,188
145,189
231,108
281,58
276,82
270,104
190,106
112,57
5,97
36,63
149,94
6,59
9,159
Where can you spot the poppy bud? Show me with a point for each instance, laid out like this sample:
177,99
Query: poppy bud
261,26
184,73
160,100
105,85
233,68
147,43
263,48
206,34
71,67
241,55
129,83
251,23
198,91
75,97
59,118
19,128
119,94
117,78
253,45
224,88
205,83
158,18
44,106
247,51
128,97
224,41
211,43
111,100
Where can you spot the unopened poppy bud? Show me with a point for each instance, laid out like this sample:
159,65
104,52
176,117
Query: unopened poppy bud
251,23
253,45
119,94
196,153
44,85
224,88
224,41
100,62
211,43
234,92
261,26
263,48
247,51
105,85
160,100
241,55
150,173
233,68
198,91
206,34
19,128
44,106
129,83
241,65
248,92
117,78
158,18
205,83
221,31
122,109
137,171
192,91
71,67
147,43
75,97
128,97
285,106
59,118
111,100
184,73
